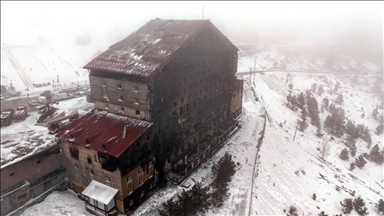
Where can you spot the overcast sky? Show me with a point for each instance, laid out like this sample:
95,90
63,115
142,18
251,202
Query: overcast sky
357,26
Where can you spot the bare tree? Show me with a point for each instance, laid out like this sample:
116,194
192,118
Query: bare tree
325,148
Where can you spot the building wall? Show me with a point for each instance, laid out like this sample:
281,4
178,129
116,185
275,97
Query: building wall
82,176
135,95
41,163
237,98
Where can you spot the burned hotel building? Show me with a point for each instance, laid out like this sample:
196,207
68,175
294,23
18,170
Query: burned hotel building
166,97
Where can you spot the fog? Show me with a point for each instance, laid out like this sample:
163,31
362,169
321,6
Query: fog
355,28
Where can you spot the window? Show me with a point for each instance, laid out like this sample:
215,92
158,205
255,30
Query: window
142,193
91,172
129,178
106,106
182,100
74,153
120,97
151,174
104,95
130,190
119,86
138,112
89,160
136,101
150,163
38,162
130,202
11,174
141,182
152,185
175,104
121,109
135,88
107,179
76,167
103,83
140,170
160,75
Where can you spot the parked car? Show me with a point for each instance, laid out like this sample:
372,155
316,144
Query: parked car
20,113
7,116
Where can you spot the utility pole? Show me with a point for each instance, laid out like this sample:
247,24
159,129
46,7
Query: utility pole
294,136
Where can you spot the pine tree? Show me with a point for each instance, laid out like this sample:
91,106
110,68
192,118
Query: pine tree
347,205
352,166
290,86
170,208
376,155
322,213
375,113
339,99
359,205
360,161
350,128
379,129
325,103
353,149
313,87
292,211
320,90
301,100
303,124
380,206
344,154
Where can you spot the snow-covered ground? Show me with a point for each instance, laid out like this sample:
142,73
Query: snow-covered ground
58,203
24,138
287,172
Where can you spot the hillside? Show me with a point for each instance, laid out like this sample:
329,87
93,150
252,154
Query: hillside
283,172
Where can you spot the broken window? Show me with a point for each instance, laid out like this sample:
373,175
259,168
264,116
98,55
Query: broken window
91,172
129,178
135,88
140,170
136,101
130,190
120,97
74,153
104,95
141,182
103,83
121,109
138,112
106,106
119,86
130,202
142,193
76,167
89,160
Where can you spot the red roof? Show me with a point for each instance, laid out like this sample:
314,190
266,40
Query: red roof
148,50
104,132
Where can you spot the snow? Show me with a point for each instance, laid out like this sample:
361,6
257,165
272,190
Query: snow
58,203
24,138
285,172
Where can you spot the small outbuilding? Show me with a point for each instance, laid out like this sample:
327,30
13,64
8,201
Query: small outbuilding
100,198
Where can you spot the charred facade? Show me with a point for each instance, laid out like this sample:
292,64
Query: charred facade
179,77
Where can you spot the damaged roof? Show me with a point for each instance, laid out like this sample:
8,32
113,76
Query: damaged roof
146,51
105,132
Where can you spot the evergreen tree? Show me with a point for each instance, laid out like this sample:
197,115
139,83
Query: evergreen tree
347,205
301,100
353,149
320,90
292,211
344,154
200,201
360,161
170,208
359,205
380,206
313,111
322,213
350,129
379,129
375,113
376,155
313,87
319,133
290,86
352,166
339,99
325,103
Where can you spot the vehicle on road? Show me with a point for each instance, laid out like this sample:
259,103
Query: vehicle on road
7,116
20,113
